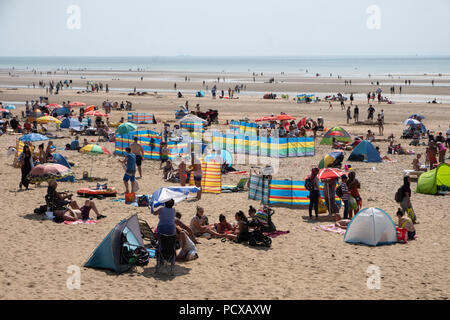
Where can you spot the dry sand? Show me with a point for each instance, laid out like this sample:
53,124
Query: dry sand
304,264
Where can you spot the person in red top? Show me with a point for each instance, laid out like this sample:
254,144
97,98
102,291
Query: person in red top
353,186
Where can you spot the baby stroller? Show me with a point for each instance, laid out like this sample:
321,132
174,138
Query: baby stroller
166,251
257,238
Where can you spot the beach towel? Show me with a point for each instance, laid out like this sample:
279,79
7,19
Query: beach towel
238,172
330,228
122,200
275,234
81,222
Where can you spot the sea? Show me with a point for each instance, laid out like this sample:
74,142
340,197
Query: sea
348,66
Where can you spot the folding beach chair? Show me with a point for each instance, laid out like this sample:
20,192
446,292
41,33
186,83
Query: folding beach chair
147,234
166,252
239,187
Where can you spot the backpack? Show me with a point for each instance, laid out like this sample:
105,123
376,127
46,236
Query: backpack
142,201
399,195
339,192
309,184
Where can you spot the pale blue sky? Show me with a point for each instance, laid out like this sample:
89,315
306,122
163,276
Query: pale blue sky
224,28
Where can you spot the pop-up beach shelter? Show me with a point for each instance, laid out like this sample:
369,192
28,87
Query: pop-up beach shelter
338,133
59,158
108,254
372,227
365,151
429,181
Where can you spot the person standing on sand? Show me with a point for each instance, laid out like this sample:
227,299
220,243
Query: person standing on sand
351,99
349,114
314,194
130,169
380,125
330,107
197,172
137,149
356,113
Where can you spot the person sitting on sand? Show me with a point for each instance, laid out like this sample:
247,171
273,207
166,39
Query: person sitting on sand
188,250
416,163
223,226
70,214
199,225
241,232
406,223
370,136
186,228
341,223
168,170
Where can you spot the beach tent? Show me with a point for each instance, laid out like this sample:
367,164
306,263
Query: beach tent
69,123
59,158
108,255
429,181
193,123
372,227
331,159
61,112
338,133
365,151
200,94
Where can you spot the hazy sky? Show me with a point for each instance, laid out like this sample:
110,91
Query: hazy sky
224,28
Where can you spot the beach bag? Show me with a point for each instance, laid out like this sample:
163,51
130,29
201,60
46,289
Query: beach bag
322,206
130,197
353,205
399,195
309,184
402,235
142,201
412,215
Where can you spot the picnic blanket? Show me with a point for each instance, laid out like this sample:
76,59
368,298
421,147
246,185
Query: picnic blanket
79,221
330,228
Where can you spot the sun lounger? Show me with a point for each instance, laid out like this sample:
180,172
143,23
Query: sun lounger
239,187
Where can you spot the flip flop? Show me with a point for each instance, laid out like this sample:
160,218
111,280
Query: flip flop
101,217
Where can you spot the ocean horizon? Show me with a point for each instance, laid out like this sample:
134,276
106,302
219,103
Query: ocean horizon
358,66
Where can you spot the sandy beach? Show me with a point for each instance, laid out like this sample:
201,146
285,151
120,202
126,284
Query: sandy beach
304,264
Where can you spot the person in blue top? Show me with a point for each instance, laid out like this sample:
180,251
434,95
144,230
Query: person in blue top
75,144
166,224
130,169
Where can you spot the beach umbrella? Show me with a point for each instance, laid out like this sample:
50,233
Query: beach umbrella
95,114
76,104
33,137
284,117
162,195
330,173
94,149
48,119
265,118
10,107
3,110
54,105
90,108
411,122
126,128
48,171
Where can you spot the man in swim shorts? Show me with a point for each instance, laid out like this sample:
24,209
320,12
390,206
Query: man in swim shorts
137,149
130,170
197,171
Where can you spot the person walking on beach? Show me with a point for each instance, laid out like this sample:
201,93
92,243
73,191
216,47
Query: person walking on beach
26,163
349,114
330,107
130,169
137,149
370,111
380,125
368,98
351,99
356,113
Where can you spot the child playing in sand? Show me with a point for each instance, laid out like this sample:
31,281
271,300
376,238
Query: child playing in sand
406,223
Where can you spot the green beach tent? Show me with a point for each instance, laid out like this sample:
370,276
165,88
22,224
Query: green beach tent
338,133
429,181
108,254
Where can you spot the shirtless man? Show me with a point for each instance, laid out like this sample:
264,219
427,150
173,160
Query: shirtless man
197,172
182,172
137,149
